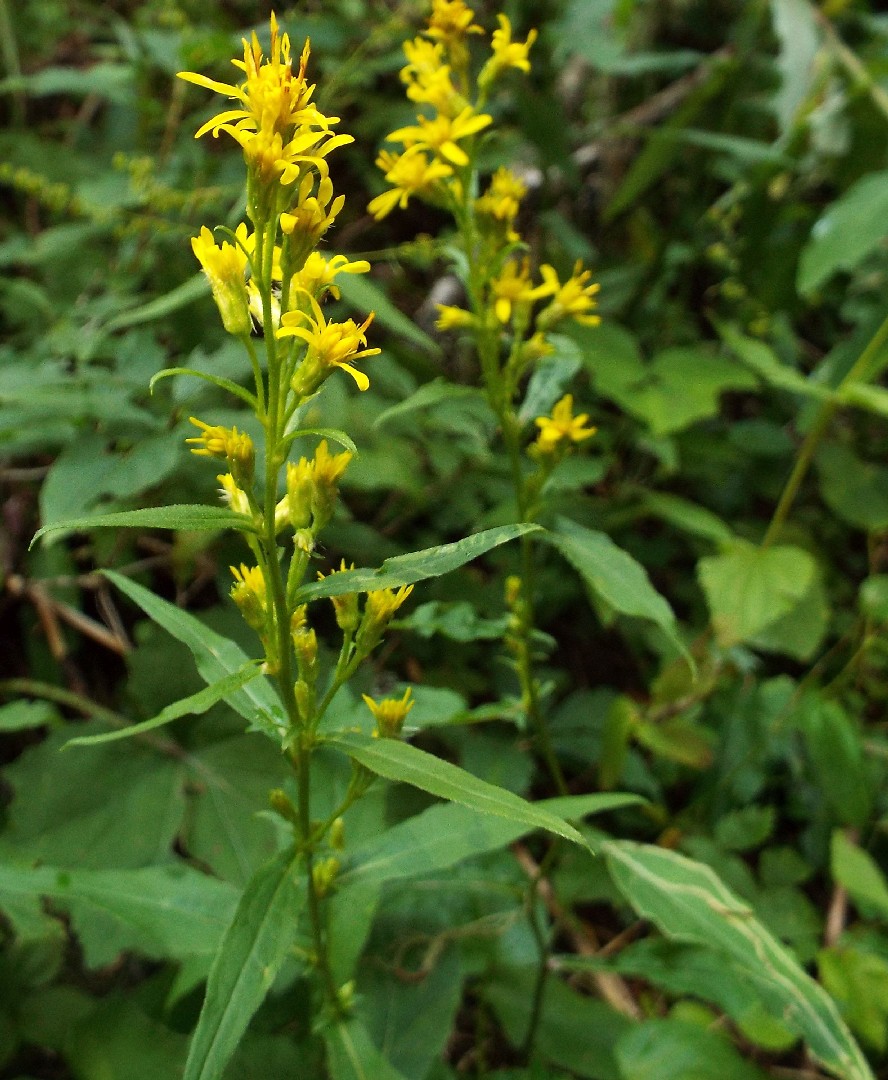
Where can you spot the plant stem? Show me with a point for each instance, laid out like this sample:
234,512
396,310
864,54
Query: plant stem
303,726
857,371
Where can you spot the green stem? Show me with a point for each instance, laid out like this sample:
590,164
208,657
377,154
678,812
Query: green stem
278,589
858,370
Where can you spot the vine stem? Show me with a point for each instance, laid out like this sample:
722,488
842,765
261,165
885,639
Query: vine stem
815,433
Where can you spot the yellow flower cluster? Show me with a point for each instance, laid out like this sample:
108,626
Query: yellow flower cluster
272,272
436,150
510,305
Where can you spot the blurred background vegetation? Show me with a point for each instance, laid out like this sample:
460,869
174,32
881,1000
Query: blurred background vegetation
721,164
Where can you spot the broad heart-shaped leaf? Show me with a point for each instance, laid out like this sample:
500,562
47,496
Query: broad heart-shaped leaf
852,227
689,903
396,760
194,518
446,834
352,1054
613,574
214,655
191,706
163,912
749,587
255,945
415,565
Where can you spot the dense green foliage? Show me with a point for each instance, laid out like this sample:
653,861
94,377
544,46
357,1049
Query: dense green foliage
711,584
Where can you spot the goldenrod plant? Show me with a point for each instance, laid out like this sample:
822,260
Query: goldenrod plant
512,310
269,278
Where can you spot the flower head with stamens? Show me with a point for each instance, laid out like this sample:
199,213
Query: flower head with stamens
330,345
236,447
442,134
513,286
250,593
506,52
562,426
427,77
450,22
390,714
409,174
225,267
574,299
318,275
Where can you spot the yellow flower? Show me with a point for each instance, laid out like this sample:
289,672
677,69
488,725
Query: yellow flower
329,344
409,174
503,197
345,605
390,713
229,443
572,300
450,21
506,53
225,266
379,610
312,215
562,425
250,594
273,99
317,276
427,76
442,134
513,286
233,496
453,318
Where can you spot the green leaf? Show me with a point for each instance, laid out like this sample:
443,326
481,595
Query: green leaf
191,706
216,380
426,397
850,229
687,516
400,761
195,517
446,834
216,656
359,291
800,38
859,982
333,434
613,575
257,942
25,715
689,903
856,490
749,587
352,1054
415,565
576,1031
858,872
550,377
162,912
679,1050
837,758
183,295
765,363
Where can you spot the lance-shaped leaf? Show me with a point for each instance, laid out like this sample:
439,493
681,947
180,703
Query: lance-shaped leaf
415,565
216,380
254,947
446,834
195,518
214,655
613,575
352,1054
428,395
689,903
193,705
396,760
